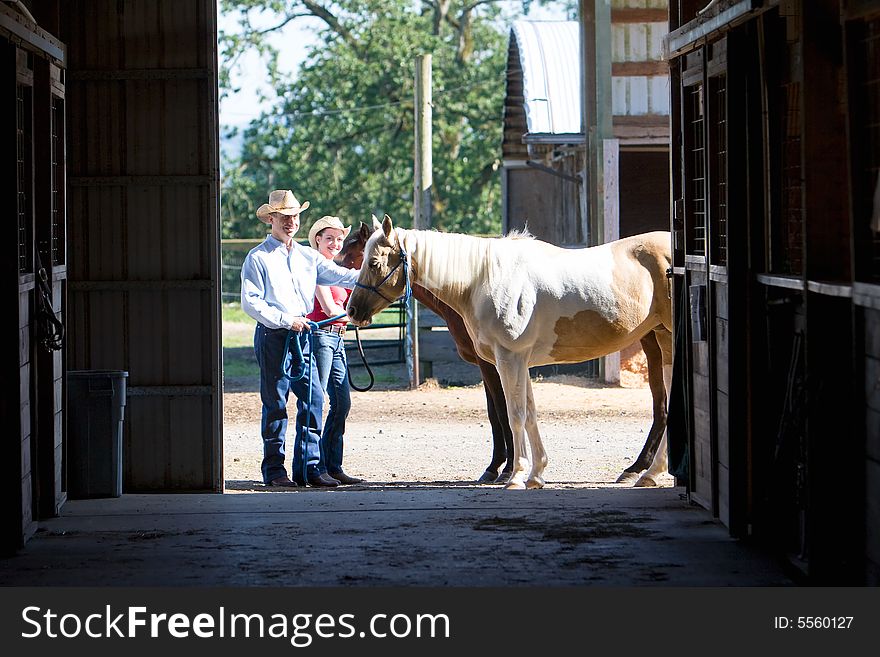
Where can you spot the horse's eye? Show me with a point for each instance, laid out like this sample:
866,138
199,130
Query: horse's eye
375,262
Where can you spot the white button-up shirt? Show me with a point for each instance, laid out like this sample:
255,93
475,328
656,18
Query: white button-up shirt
278,285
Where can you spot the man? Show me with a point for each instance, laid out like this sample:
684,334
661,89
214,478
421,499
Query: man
278,280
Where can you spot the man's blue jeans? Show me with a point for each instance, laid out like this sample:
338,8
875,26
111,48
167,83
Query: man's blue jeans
333,371
274,392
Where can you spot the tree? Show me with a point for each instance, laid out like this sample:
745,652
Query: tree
341,133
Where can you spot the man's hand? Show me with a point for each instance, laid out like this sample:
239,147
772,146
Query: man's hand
300,324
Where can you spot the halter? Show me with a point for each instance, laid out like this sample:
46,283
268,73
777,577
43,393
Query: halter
407,291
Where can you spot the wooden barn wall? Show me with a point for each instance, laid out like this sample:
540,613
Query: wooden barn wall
862,33
869,320
144,227
31,74
640,80
782,352
548,205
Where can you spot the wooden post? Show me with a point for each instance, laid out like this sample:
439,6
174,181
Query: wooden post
423,178
596,111
611,231
422,181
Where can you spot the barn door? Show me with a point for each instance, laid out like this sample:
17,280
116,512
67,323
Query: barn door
694,205
708,258
31,75
49,295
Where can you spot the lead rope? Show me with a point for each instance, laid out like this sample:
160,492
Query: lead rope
50,330
313,326
360,347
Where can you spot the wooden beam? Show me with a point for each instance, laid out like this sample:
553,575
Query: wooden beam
633,69
642,120
141,74
639,15
685,38
32,38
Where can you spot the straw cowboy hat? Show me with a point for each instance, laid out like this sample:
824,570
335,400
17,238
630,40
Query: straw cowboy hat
282,201
326,222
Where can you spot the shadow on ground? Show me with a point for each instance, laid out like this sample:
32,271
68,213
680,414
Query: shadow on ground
421,534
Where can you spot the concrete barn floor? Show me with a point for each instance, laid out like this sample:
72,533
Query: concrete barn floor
383,535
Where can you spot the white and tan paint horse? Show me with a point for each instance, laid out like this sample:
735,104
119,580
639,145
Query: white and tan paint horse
526,303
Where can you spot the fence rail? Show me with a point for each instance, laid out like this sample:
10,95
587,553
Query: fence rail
233,253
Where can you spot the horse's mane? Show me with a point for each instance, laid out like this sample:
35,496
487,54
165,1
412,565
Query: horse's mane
517,234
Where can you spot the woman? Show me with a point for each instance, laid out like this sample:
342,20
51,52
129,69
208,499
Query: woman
326,236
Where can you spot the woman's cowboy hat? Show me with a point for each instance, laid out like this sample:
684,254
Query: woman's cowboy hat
282,201
326,222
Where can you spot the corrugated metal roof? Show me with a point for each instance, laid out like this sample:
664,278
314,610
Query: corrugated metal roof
549,54
550,59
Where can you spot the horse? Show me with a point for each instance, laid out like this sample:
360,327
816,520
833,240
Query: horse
525,303
352,257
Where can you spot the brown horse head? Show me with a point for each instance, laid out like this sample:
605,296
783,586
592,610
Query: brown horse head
383,276
352,254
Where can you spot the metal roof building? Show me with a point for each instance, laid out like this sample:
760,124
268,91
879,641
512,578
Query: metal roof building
549,65
543,144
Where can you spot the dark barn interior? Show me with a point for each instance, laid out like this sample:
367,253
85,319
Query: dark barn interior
110,155
775,179
110,162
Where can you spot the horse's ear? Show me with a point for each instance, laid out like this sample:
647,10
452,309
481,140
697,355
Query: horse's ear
376,224
365,231
387,227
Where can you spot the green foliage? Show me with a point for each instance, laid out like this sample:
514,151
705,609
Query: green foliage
232,312
240,362
341,134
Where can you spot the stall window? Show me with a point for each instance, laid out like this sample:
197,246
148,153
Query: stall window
718,127
24,174
787,214
57,128
695,166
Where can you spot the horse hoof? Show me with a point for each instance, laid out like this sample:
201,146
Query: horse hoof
487,478
646,481
515,485
503,478
535,483
627,478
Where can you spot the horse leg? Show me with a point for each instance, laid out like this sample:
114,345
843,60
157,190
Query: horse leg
660,464
654,356
539,456
514,374
502,449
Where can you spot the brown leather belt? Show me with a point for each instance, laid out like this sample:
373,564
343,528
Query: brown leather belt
333,328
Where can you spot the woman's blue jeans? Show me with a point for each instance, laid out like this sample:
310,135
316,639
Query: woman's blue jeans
333,371
274,392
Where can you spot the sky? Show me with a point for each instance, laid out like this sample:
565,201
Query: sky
293,43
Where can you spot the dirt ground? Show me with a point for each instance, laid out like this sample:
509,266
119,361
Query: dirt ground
419,520
441,434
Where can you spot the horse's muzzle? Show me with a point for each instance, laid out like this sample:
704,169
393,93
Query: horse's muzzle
353,317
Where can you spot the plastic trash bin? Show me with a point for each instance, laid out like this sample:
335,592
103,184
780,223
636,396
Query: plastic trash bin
95,412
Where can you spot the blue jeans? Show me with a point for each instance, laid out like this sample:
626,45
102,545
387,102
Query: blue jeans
333,371
274,392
